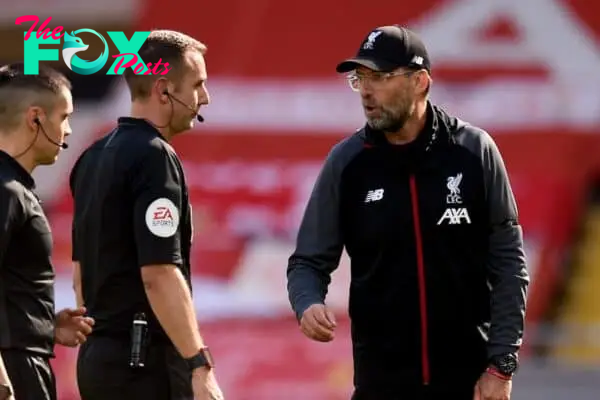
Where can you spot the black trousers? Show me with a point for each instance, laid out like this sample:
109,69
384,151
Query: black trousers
416,393
103,372
31,376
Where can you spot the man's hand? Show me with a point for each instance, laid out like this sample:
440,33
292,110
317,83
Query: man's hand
205,386
3,394
318,323
490,387
72,327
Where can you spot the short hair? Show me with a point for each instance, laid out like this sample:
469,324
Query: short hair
19,91
168,46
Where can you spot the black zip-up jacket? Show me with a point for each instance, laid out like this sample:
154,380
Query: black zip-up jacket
438,272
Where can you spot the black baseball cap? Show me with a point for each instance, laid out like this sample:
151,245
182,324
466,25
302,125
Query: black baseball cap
388,48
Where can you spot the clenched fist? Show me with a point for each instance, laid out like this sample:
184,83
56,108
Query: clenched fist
318,323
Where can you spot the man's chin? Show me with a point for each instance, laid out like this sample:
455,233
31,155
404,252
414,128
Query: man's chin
49,161
379,124
376,124
192,124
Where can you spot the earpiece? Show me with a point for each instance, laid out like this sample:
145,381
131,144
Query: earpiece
36,120
166,93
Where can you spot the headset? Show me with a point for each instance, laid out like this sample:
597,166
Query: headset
62,145
170,96
37,121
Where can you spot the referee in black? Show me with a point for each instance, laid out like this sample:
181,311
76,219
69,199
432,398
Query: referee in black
422,203
34,122
132,233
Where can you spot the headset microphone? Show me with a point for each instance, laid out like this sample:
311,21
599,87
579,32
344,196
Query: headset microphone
199,117
63,145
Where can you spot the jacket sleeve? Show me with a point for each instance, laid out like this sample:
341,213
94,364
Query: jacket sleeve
506,264
75,246
319,242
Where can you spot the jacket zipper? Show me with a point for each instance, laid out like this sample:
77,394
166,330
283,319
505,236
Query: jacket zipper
421,278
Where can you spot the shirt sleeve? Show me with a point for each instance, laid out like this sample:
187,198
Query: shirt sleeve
10,212
506,262
156,188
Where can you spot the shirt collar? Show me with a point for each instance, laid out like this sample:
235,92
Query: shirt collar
22,175
141,124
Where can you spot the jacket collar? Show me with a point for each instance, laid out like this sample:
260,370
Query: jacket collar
436,134
431,134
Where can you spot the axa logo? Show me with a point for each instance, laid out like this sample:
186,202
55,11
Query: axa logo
455,216
374,195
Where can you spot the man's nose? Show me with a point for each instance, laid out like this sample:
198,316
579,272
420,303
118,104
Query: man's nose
204,97
365,94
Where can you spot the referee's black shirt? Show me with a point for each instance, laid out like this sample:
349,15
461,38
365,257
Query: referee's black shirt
26,272
131,209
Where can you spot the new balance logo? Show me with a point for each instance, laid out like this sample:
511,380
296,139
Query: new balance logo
455,216
374,195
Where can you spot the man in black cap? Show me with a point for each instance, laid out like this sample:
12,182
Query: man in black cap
422,203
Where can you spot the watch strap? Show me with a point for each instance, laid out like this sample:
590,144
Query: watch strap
494,372
203,359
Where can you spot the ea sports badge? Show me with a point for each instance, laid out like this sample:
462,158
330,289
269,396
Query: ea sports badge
162,218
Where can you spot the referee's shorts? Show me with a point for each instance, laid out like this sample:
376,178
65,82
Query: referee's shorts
31,376
103,372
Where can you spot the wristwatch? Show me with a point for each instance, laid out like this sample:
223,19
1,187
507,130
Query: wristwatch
202,359
5,392
506,364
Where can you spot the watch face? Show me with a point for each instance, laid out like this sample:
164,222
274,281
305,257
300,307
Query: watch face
507,364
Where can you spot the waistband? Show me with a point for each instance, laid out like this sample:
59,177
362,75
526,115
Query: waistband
154,338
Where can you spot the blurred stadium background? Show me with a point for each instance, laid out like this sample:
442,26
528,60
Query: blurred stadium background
526,70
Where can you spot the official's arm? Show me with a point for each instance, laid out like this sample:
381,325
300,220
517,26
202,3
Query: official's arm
77,284
319,243
506,263
160,255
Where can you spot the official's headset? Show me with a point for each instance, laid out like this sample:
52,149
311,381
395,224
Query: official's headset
171,98
39,125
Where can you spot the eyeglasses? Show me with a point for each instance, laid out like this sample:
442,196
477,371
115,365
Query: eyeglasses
375,79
